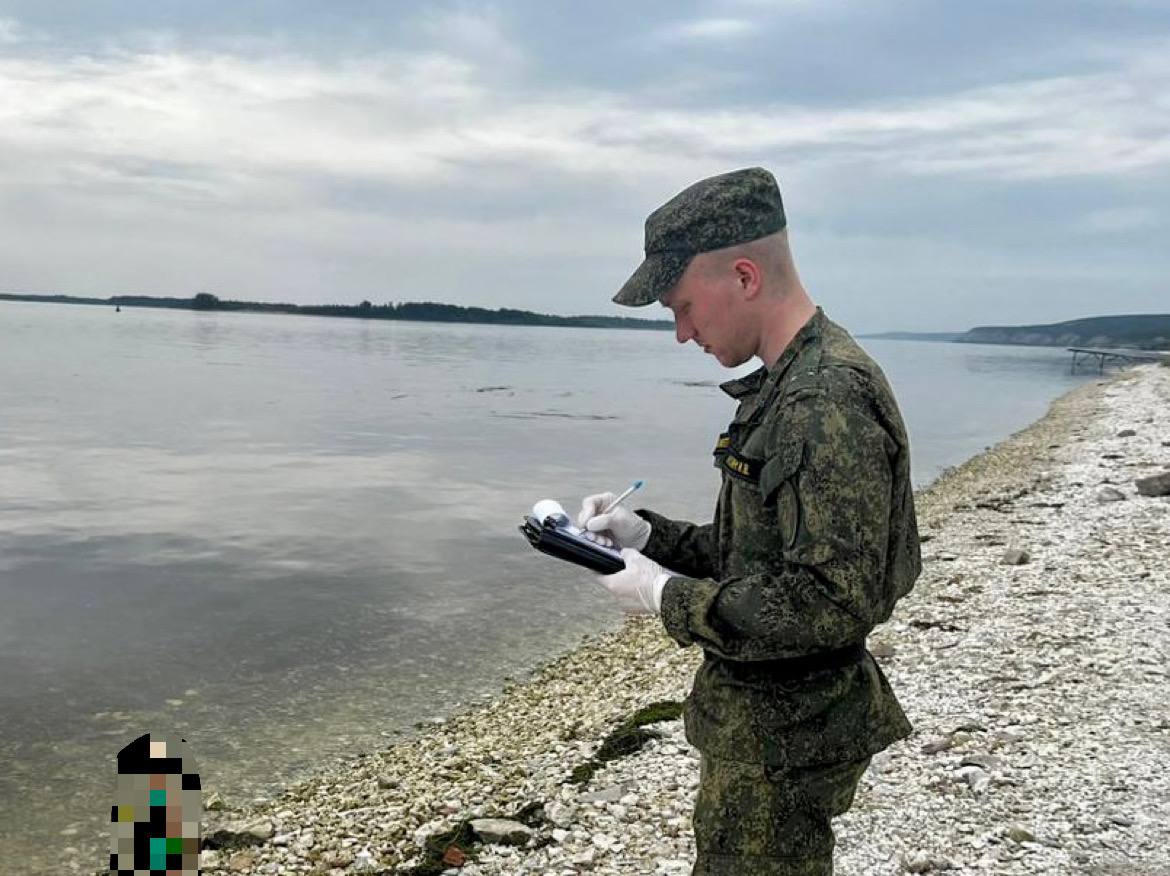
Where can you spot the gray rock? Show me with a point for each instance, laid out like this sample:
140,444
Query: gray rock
364,860
560,814
606,795
1109,494
921,862
502,831
237,834
935,746
242,862
1155,485
1009,736
975,777
603,841
970,725
1019,834
1015,557
339,858
881,650
1126,433
987,762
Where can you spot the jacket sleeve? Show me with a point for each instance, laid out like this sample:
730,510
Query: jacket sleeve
820,533
681,546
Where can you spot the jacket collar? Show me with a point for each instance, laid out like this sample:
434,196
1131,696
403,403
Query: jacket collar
741,386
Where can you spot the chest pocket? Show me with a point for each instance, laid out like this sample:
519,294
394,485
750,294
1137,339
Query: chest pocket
780,470
765,475
779,492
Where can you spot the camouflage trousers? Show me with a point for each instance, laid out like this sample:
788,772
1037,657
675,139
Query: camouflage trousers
753,820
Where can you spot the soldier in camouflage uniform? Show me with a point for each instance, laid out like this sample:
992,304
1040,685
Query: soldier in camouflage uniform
813,540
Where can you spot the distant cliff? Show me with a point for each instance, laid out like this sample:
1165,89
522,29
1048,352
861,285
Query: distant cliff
1140,331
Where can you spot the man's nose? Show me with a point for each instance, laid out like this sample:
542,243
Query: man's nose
682,330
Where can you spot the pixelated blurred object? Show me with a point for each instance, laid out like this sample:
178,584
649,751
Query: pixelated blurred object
156,817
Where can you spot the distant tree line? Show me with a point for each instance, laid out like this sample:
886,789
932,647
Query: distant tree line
421,311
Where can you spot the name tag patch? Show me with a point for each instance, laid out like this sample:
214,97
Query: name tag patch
745,468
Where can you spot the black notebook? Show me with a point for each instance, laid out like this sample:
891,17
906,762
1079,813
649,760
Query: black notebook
555,535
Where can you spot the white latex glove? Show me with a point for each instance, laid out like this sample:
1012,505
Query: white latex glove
638,587
621,524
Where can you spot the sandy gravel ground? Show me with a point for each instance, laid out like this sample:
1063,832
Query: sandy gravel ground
1038,690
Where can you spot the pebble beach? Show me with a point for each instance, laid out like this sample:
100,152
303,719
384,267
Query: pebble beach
1032,659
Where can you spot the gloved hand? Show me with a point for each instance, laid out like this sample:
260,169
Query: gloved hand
638,587
621,524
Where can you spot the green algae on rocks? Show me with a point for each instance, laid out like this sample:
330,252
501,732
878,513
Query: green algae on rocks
627,738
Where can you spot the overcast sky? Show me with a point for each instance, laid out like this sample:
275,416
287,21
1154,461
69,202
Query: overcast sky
943,164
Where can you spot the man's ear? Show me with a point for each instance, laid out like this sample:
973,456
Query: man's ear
749,277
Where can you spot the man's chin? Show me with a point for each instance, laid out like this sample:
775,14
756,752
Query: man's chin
728,361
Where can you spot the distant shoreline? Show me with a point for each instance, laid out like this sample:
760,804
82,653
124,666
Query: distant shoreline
1132,332
945,337
407,311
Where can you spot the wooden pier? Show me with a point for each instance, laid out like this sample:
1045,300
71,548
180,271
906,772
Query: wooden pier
1120,358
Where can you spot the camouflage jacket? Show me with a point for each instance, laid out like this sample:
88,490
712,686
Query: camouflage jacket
814,540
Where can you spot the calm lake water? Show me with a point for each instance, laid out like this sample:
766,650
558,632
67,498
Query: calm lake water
289,538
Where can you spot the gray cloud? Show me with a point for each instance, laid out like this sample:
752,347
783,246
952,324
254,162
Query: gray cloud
462,167
703,29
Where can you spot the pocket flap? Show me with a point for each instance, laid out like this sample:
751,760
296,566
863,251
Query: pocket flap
780,467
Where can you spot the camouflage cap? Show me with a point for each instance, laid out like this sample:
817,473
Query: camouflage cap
713,213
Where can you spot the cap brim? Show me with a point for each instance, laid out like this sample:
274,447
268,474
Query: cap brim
656,276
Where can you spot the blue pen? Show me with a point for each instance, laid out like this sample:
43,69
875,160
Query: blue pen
634,486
